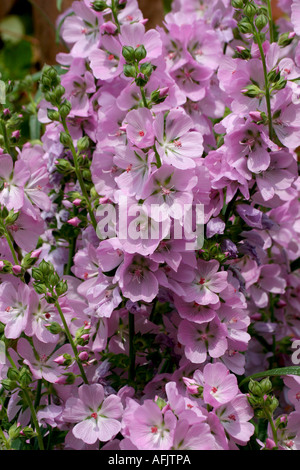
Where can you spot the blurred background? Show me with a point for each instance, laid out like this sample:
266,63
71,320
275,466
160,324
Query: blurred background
27,32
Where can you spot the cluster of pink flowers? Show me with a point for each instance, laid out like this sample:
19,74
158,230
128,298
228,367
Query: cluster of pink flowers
139,341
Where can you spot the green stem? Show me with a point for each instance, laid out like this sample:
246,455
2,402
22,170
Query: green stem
38,393
274,432
10,244
79,177
72,247
267,92
131,374
34,418
69,336
270,21
230,206
145,103
5,136
113,10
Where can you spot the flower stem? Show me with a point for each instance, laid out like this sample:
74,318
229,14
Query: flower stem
145,103
10,244
5,136
267,92
274,431
114,13
79,176
69,336
34,419
131,374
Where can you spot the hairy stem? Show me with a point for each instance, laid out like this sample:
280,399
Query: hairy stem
267,91
69,336
34,419
79,177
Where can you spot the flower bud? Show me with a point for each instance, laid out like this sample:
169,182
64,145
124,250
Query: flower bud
261,21
66,379
12,217
245,26
252,91
129,71
109,28
146,69
13,374
83,143
255,388
64,166
280,84
286,39
128,54
25,377
250,10
9,385
83,356
266,385
37,274
17,270
238,4
140,53
141,79
54,328
40,288
99,5
61,288
65,109
274,404
28,432
14,431
66,139
53,115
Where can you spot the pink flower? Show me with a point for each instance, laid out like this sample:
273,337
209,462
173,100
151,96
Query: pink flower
201,340
150,428
15,305
41,358
140,127
234,417
176,144
219,385
97,417
208,282
14,178
195,437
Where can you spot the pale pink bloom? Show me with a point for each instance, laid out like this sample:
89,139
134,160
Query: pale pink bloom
220,386
97,417
150,428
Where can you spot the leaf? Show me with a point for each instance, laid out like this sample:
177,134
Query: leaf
35,128
292,370
59,4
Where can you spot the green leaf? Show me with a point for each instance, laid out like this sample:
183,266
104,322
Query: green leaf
292,370
35,128
59,4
